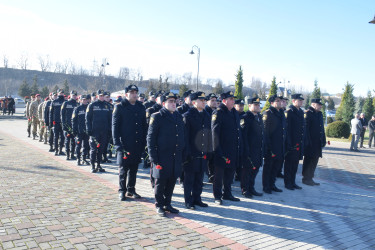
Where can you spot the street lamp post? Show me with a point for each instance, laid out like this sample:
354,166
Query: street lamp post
198,56
104,64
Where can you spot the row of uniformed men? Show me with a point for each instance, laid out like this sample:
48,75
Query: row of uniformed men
220,136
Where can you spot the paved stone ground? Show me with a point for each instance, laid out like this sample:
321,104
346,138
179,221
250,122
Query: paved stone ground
83,207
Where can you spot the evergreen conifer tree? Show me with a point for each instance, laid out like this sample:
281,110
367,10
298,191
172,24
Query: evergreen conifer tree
273,91
239,84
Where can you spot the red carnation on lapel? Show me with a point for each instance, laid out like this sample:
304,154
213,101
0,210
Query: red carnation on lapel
205,157
54,123
98,146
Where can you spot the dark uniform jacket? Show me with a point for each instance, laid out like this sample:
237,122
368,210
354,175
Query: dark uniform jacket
295,132
98,118
149,104
226,136
253,134
199,139
208,109
155,108
66,114
275,132
183,108
46,113
166,143
55,110
78,119
315,138
129,130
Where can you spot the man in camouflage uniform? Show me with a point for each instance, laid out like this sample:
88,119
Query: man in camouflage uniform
42,126
33,112
27,111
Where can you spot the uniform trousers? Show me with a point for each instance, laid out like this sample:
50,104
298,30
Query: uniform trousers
127,172
223,177
82,141
270,170
193,186
248,175
290,170
69,142
58,133
163,191
97,143
309,166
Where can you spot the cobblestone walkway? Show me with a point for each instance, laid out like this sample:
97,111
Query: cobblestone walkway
83,207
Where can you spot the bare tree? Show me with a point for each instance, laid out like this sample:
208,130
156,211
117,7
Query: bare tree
23,62
124,73
65,66
5,60
58,67
72,69
45,63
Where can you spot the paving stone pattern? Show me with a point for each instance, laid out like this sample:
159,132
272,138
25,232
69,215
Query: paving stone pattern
48,202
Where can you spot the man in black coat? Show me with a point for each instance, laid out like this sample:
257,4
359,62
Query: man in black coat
151,100
371,129
294,142
166,144
66,120
198,146
47,121
210,107
107,99
55,121
226,140
253,134
315,141
98,126
187,103
79,130
239,105
364,123
275,135
129,131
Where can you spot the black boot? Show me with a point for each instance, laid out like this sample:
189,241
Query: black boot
72,157
85,160
100,169
79,160
93,169
61,152
34,136
51,149
56,152
67,155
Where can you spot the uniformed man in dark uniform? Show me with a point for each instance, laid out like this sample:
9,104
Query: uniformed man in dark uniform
294,141
141,98
198,146
210,107
66,120
275,136
151,100
166,144
284,102
187,104
47,122
107,99
253,134
79,130
155,108
315,141
129,130
98,126
239,105
226,139
55,119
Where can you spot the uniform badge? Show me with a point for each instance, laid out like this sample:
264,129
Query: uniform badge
147,114
286,114
264,117
304,115
242,122
214,117
151,120
74,115
87,110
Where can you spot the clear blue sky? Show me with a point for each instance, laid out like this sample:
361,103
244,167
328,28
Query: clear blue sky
297,41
